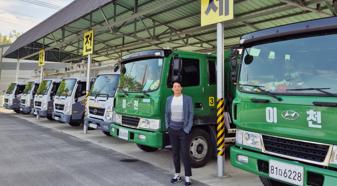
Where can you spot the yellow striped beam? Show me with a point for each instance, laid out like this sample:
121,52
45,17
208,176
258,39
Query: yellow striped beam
220,132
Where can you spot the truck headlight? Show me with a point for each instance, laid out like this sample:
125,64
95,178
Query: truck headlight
67,108
333,159
153,124
43,106
118,118
250,139
109,114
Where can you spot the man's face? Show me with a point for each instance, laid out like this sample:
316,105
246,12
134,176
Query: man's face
177,88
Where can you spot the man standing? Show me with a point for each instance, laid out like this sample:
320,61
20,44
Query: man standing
179,121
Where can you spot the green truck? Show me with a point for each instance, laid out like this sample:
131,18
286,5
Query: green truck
285,104
146,82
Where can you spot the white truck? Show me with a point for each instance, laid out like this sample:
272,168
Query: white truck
69,101
44,98
101,102
13,95
27,98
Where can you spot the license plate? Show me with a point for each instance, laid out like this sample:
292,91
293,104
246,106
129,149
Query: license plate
57,118
286,172
93,125
123,134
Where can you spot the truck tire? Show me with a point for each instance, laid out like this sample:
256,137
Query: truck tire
269,182
106,133
200,148
147,148
17,111
50,117
75,123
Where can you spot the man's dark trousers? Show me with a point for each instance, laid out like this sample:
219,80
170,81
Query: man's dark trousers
179,141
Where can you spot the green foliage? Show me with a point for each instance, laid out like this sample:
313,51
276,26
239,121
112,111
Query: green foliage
7,39
43,87
10,89
28,88
129,83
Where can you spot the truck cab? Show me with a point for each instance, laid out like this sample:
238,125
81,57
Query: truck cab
13,95
285,107
69,101
44,98
101,101
27,98
144,86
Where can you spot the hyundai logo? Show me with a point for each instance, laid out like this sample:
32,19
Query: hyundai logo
95,111
290,115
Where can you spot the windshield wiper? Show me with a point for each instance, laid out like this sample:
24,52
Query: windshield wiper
145,93
98,95
317,89
260,88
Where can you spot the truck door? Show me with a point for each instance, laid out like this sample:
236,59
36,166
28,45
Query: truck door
79,105
188,73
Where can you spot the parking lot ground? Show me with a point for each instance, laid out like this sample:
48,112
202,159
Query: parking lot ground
155,167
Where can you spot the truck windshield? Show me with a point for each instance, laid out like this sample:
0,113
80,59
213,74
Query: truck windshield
295,66
44,87
29,87
141,76
105,85
66,87
11,88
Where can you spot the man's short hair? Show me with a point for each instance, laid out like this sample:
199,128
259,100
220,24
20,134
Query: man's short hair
176,81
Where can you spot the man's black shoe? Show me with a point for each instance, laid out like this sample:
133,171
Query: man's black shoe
176,180
188,183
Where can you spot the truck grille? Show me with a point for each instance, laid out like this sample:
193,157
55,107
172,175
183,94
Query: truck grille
38,103
59,107
130,121
96,111
6,100
23,101
297,149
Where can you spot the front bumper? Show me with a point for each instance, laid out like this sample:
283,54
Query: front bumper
61,117
148,138
25,109
101,125
11,107
258,164
41,113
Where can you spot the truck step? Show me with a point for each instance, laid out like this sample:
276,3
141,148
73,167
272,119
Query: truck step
231,131
230,140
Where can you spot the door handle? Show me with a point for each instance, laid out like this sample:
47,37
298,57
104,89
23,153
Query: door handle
198,105
257,100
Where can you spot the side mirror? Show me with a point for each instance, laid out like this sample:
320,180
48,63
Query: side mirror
177,67
116,67
234,60
248,59
123,69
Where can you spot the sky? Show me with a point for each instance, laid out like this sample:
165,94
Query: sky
21,15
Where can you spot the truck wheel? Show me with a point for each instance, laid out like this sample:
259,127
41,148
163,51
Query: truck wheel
17,111
106,133
269,182
200,148
50,117
147,148
74,123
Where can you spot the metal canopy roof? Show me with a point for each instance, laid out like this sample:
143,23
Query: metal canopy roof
124,26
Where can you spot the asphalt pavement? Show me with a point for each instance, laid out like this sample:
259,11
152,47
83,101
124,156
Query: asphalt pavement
34,155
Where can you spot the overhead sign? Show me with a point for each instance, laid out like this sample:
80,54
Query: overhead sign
41,57
88,43
215,11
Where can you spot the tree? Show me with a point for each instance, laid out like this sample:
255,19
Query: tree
11,37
